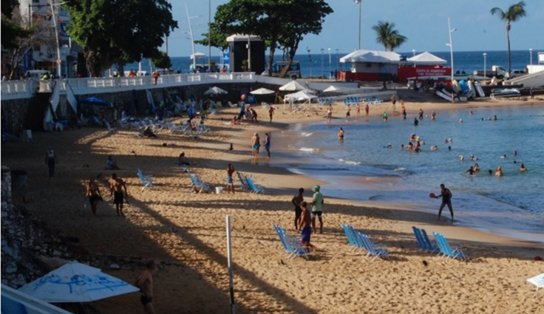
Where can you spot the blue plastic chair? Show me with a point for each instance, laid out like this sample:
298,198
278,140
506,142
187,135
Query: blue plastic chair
146,181
423,240
253,187
370,247
290,245
446,249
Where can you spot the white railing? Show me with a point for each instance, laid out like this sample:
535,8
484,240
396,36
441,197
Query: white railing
84,86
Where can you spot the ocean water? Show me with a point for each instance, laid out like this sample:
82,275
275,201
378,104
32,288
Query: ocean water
510,205
318,64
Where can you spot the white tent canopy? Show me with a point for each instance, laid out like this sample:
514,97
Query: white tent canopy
76,282
300,96
426,58
293,86
262,91
372,56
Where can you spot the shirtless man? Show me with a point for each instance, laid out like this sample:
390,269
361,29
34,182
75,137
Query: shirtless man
255,146
297,200
305,226
230,180
117,186
145,283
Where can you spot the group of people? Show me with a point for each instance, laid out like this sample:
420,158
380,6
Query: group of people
256,145
305,218
118,190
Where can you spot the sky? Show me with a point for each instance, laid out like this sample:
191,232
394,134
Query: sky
423,22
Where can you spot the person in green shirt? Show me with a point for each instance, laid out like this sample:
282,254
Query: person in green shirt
317,208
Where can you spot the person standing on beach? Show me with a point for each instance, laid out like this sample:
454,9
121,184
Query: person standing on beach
118,190
304,226
267,143
255,145
329,112
230,180
317,208
348,113
145,283
92,192
50,161
297,200
446,195
271,113
367,109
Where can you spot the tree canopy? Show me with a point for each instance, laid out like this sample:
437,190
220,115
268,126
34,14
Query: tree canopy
388,36
12,32
279,23
119,31
512,14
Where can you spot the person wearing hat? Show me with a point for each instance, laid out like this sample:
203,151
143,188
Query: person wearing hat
317,208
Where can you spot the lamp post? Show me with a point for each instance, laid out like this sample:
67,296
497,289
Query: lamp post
531,56
322,70
360,3
59,61
330,61
209,35
485,65
451,30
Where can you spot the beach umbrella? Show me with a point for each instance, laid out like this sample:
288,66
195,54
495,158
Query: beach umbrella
215,91
96,101
75,282
293,86
262,91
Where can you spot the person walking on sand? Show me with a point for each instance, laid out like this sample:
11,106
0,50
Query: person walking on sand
267,143
317,208
118,190
297,200
446,195
50,161
305,227
92,192
367,109
230,180
145,283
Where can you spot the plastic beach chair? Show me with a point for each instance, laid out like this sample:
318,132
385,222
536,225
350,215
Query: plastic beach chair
423,240
351,236
253,187
370,247
537,280
146,181
446,249
290,244
242,181
199,184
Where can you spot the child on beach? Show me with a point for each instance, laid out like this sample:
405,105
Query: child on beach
230,180
305,227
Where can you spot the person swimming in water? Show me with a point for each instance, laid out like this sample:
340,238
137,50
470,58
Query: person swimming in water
522,168
340,135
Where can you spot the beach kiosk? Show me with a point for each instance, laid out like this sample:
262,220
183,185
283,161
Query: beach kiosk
246,53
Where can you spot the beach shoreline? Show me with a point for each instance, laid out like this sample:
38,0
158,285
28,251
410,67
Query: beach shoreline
185,232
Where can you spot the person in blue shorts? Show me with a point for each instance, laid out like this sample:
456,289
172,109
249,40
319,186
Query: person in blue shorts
305,227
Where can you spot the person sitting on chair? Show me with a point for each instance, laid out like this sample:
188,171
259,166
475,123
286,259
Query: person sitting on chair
111,164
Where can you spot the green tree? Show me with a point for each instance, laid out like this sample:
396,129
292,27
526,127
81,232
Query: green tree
162,60
388,36
119,31
279,23
512,14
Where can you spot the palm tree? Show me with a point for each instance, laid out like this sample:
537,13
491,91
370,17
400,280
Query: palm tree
388,36
514,13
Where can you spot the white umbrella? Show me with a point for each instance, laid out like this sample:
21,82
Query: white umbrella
76,282
215,91
293,86
262,91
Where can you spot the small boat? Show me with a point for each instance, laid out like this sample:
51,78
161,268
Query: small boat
505,92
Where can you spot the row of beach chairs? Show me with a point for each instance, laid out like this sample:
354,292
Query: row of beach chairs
361,241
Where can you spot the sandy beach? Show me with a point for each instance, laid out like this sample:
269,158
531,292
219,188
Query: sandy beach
185,232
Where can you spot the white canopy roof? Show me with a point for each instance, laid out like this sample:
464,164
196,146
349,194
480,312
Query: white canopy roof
293,86
300,96
372,56
426,58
